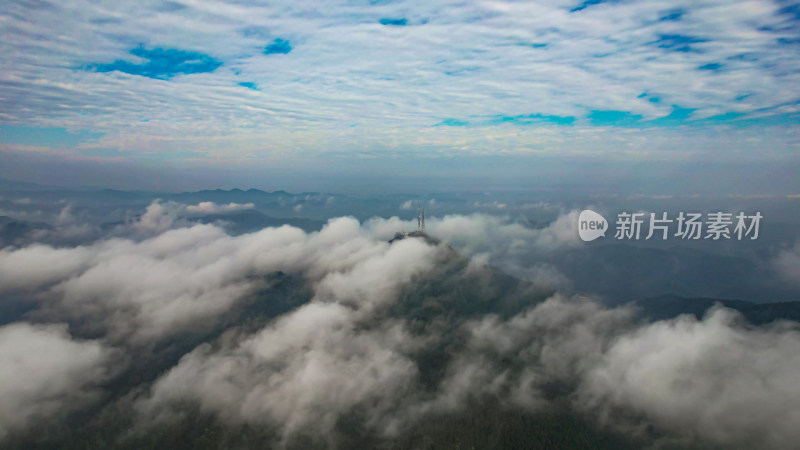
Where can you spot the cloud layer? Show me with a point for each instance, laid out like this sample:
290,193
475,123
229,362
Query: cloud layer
45,373
383,341
185,276
403,78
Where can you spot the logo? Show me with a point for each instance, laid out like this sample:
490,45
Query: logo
591,225
717,226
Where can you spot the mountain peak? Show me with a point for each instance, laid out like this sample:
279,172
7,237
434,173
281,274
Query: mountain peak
400,235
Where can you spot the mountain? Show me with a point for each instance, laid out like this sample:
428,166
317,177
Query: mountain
622,273
25,186
399,236
666,307
232,196
11,185
12,230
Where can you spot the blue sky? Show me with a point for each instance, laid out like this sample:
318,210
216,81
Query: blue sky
347,84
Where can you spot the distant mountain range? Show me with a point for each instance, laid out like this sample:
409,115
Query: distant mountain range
206,195
669,306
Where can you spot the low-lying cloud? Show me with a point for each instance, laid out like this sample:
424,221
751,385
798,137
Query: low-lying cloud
353,350
716,380
213,208
787,265
44,373
477,233
187,276
713,381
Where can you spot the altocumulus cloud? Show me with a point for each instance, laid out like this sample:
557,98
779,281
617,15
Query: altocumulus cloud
548,54
787,265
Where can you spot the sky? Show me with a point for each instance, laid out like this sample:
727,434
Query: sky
360,95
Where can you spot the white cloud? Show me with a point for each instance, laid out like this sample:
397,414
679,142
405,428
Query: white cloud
557,340
187,277
709,382
45,373
485,233
787,265
158,217
161,216
318,362
714,379
305,371
213,208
